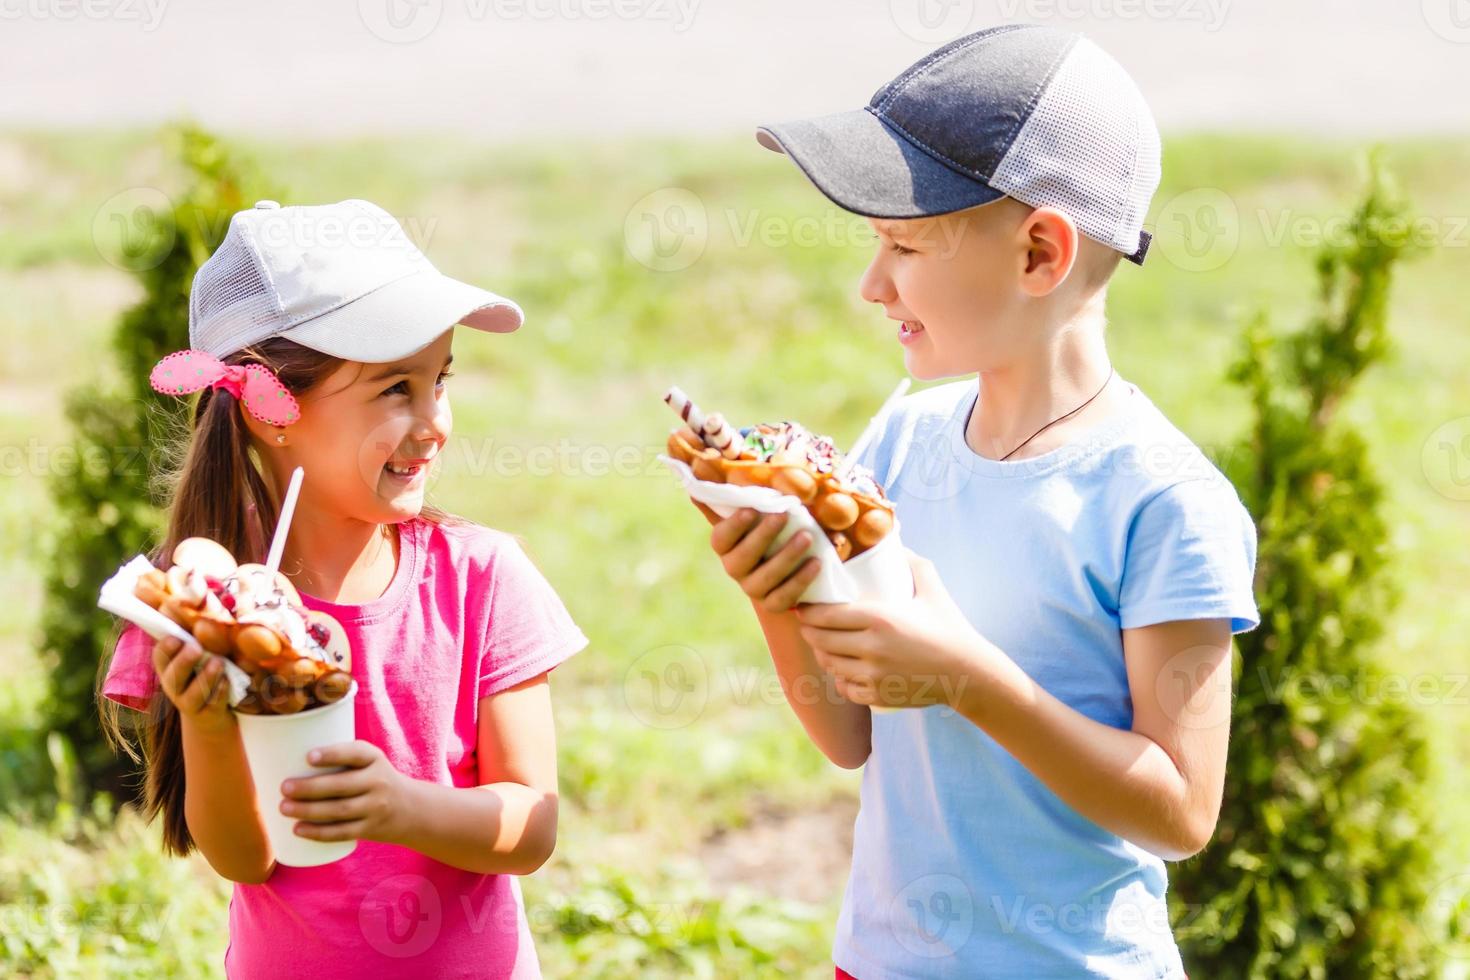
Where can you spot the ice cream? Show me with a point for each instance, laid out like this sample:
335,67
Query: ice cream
296,658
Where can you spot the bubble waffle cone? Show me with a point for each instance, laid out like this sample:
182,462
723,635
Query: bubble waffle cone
296,658
851,510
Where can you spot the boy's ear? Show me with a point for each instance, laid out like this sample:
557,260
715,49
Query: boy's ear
1051,241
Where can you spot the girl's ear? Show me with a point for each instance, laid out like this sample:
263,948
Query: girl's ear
264,436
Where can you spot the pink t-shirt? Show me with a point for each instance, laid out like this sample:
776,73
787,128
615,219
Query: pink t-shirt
465,616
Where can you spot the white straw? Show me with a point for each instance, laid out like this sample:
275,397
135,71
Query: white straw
875,425
288,507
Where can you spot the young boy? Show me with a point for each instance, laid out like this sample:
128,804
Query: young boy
1066,657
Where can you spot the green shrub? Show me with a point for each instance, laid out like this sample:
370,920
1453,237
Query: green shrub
1323,857
108,510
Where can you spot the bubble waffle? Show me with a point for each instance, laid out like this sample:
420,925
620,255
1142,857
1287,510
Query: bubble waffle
845,501
297,658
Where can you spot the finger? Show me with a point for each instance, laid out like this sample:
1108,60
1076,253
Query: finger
926,576
352,754
841,643
704,509
787,593
175,676
163,652
197,694
728,532
857,691
835,615
347,830
748,553
219,691
325,811
777,568
329,786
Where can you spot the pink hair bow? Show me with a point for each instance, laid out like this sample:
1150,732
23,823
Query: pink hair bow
254,385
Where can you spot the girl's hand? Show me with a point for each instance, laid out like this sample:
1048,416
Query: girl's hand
366,802
195,682
773,583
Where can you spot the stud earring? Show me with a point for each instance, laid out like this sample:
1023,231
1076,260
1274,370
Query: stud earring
281,440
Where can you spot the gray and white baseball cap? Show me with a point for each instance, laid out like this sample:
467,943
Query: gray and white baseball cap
344,279
1038,114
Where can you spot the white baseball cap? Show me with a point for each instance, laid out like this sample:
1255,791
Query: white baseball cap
344,279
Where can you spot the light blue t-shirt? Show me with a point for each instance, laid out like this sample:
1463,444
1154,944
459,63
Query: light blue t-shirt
965,865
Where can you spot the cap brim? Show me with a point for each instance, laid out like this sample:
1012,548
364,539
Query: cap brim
867,168
403,317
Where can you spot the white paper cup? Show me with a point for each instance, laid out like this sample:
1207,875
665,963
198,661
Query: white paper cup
882,572
276,747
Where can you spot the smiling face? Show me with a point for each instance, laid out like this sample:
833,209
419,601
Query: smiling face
367,435
974,291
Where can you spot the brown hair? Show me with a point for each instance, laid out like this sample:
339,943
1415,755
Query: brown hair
216,489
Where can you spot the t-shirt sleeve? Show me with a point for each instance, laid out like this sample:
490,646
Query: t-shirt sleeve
1191,555
530,630
131,680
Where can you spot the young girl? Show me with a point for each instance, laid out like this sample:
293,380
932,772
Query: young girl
323,340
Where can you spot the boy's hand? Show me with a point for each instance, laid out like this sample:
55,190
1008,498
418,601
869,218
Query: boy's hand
195,682
368,801
898,654
741,541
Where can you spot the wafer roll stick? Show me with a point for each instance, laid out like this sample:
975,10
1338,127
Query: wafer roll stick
686,409
721,435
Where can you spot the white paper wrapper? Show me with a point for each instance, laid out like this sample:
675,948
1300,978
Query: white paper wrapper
117,598
881,572
276,747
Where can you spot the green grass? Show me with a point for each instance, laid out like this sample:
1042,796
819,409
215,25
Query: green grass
758,328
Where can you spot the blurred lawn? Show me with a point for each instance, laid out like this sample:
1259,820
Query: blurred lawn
758,326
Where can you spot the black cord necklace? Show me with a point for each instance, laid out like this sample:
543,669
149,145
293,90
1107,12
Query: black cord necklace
1061,418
